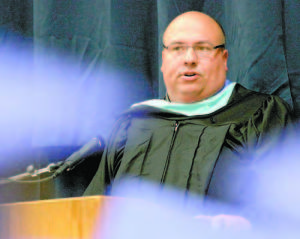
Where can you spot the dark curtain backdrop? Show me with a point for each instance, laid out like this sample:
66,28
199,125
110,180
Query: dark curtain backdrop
93,59
70,67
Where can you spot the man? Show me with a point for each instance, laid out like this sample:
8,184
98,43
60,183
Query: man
207,131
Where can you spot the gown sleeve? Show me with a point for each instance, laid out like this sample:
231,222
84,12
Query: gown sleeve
239,174
268,127
110,161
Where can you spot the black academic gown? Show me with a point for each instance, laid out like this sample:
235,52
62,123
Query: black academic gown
212,155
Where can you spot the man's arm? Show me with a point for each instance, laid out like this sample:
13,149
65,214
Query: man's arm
110,161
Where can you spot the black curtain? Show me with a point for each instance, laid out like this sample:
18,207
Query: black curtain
94,59
81,63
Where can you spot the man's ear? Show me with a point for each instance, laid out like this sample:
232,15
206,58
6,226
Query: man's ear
225,56
162,60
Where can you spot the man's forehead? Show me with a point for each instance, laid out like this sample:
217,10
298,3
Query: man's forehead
199,27
177,42
192,35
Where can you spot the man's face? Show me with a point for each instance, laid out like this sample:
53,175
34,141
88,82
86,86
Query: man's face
188,76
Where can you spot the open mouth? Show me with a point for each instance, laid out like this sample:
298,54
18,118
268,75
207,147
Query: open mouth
189,75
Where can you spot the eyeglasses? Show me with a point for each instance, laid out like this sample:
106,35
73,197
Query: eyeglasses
204,49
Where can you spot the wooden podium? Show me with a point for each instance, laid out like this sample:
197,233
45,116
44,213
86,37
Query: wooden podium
70,218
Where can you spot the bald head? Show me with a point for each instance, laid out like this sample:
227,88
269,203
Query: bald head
197,21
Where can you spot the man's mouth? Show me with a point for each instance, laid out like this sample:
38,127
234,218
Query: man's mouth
189,75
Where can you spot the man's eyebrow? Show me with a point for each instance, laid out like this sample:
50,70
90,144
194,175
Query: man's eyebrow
181,43
203,42
176,42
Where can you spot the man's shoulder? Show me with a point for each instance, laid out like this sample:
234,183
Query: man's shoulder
244,103
243,95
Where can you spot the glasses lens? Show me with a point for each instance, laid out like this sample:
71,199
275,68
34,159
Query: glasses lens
201,49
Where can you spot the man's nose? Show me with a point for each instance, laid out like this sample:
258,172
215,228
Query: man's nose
190,56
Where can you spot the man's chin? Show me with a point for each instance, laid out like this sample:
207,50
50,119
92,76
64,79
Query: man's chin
188,98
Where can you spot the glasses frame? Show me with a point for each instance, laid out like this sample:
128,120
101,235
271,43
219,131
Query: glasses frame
214,47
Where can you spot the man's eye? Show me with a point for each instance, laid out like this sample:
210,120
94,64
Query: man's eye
178,48
202,48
